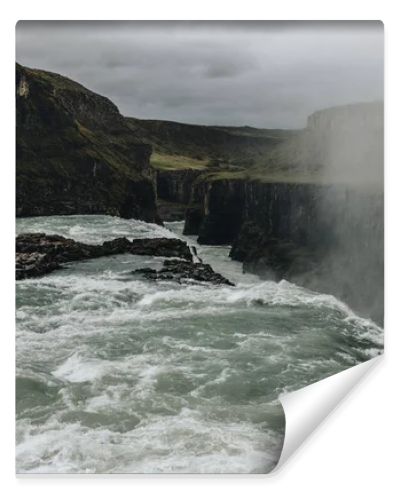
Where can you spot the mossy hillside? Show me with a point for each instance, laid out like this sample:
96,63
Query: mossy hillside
75,153
228,153
333,148
180,145
161,161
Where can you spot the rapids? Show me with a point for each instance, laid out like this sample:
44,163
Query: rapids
119,374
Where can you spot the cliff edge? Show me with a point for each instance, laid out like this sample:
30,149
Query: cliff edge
75,152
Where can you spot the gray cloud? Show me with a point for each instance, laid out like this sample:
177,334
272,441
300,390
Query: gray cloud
267,74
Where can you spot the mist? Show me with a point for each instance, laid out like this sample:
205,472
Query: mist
347,143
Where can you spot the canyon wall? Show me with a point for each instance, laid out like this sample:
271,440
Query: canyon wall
306,206
326,234
325,237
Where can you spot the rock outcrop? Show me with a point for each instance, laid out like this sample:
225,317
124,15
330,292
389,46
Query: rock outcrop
215,212
39,253
75,152
174,188
184,152
182,272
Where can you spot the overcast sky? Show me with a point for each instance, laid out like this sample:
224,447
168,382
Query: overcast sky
262,74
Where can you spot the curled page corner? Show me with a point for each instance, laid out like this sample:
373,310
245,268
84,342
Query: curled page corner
306,408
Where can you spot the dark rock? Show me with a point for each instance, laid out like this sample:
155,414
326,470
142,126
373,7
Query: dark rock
223,209
55,246
215,211
163,247
181,271
34,264
174,189
176,185
269,257
75,152
328,238
144,270
193,219
170,211
118,245
38,253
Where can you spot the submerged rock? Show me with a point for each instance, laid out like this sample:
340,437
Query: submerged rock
180,271
39,253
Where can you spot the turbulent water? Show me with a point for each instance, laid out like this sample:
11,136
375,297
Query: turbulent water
119,374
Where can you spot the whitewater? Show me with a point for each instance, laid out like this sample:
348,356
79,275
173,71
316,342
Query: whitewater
119,374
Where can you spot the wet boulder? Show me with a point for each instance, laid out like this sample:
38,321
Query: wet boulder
183,271
39,253
163,247
33,264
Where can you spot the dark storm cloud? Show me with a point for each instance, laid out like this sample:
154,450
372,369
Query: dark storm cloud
230,73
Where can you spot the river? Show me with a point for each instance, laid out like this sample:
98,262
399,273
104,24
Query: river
119,374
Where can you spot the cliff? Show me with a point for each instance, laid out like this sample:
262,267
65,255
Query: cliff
306,205
314,216
75,152
182,152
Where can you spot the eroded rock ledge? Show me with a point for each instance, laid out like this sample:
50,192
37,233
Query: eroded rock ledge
181,271
39,253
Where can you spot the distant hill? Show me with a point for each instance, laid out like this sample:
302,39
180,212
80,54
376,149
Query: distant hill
340,144
179,145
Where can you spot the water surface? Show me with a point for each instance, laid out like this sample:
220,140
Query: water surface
116,373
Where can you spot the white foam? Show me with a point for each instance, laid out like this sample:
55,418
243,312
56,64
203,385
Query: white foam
181,443
161,359
74,369
92,228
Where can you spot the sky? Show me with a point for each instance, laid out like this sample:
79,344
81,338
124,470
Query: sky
256,73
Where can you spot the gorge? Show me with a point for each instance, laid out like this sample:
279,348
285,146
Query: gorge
174,280
302,205
313,215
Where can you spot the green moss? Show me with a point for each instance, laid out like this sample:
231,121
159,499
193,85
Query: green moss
58,82
162,161
292,177
75,152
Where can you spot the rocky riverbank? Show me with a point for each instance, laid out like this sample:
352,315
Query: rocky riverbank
38,254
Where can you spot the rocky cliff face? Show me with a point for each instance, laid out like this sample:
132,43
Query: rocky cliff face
173,189
216,211
75,152
326,235
328,238
175,185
